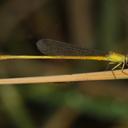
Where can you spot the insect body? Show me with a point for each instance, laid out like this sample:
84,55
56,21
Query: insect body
60,50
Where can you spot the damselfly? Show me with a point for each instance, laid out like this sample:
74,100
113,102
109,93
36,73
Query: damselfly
61,50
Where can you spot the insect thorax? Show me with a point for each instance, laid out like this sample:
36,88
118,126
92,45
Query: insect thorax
116,57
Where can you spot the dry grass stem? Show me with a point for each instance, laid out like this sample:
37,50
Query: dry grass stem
94,76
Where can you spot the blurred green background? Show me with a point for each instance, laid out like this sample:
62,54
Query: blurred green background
101,24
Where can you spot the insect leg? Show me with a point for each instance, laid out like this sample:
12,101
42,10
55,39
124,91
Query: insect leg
108,65
115,68
122,69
